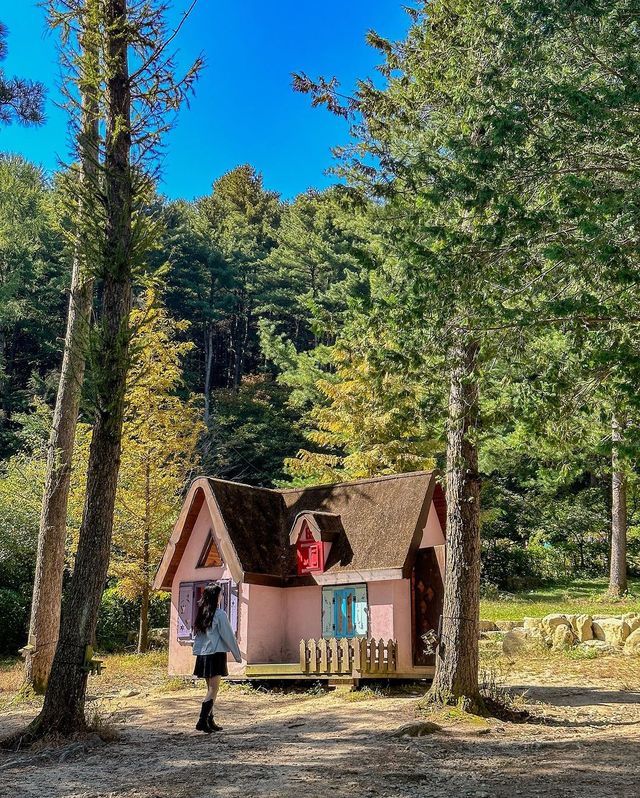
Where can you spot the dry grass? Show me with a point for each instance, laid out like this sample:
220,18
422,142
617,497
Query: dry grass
11,675
611,671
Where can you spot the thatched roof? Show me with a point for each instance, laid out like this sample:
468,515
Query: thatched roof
374,524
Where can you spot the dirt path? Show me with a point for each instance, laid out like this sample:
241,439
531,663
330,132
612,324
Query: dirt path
328,746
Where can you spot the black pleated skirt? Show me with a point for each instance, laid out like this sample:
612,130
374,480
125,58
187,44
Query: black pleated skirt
208,665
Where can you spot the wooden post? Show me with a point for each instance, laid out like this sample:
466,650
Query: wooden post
324,664
346,656
392,655
373,650
334,665
313,655
382,663
303,657
360,655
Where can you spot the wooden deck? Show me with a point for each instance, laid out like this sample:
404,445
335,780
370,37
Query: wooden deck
339,661
292,670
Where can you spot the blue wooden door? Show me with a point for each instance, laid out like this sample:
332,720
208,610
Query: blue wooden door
344,612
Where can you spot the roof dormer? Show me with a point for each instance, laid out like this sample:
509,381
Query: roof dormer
312,534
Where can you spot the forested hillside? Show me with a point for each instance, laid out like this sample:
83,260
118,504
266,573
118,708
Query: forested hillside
312,339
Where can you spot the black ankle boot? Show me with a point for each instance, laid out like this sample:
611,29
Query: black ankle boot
203,722
213,726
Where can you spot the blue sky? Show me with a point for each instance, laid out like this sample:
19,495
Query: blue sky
244,110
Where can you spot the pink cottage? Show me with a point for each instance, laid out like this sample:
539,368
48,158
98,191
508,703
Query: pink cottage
332,582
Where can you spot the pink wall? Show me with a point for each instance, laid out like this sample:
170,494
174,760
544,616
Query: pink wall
303,612
265,625
390,615
181,660
278,619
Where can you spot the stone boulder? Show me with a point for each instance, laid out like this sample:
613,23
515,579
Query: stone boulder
632,619
507,626
582,627
551,622
613,631
515,641
563,637
599,646
487,626
494,635
159,637
533,625
520,639
632,644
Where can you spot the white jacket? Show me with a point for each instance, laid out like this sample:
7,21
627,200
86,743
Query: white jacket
218,637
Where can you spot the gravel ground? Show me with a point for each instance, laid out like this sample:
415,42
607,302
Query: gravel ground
585,741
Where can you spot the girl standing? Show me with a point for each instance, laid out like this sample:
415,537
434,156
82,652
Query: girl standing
214,637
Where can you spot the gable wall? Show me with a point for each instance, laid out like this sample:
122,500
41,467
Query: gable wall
181,660
432,534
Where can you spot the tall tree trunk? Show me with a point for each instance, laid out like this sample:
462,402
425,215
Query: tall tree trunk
456,677
47,587
618,558
143,631
63,710
208,356
241,348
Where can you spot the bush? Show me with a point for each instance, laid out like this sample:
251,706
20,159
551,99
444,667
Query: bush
119,617
14,620
508,565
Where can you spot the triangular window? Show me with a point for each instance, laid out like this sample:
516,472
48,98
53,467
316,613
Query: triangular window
210,557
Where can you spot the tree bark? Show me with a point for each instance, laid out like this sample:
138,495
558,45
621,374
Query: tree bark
618,558
63,710
143,631
208,355
47,587
456,677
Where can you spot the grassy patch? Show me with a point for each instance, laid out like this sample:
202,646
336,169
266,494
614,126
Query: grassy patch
366,694
579,596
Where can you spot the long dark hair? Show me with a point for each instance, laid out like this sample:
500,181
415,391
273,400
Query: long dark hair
207,606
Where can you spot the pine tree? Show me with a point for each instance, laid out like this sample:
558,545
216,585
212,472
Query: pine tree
47,584
21,100
136,105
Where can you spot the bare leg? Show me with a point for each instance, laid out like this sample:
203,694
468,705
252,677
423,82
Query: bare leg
213,685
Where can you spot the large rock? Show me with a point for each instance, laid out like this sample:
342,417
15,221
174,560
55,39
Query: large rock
487,626
632,619
494,635
551,622
613,631
507,626
515,641
582,627
599,646
159,637
531,624
632,644
563,637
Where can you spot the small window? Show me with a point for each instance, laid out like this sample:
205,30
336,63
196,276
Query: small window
190,593
210,557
